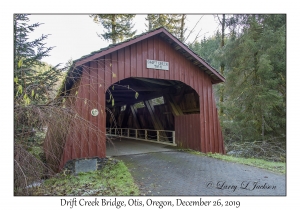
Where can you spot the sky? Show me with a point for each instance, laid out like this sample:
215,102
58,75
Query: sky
76,35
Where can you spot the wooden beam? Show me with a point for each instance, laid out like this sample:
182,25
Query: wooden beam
125,115
175,108
153,81
155,119
135,89
135,119
192,110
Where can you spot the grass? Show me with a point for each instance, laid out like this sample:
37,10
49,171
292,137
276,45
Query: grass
278,167
112,180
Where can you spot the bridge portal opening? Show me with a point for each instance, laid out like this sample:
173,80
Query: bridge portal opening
145,109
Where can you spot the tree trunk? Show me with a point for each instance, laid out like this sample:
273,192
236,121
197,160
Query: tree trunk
221,100
182,27
113,29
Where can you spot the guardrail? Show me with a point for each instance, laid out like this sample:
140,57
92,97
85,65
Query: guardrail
156,136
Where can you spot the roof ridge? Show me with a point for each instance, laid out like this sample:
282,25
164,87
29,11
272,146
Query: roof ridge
112,47
117,44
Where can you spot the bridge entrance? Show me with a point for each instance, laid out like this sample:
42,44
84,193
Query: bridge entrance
145,109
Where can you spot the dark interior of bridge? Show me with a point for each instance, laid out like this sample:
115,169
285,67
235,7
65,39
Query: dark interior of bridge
149,103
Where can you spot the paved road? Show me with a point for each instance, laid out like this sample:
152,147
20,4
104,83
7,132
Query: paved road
123,146
181,173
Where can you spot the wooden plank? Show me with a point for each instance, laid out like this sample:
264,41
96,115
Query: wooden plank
206,108
153,81
114,67
133,68
108,71
202,115
139,60
181,68
191,110
161,57
186,71
156,56
84,141
145,72
175,108
191,75
210,118
125,117
167,59
151,55
155,119
127,62
135,118
76,140
101,106
121,64
94,101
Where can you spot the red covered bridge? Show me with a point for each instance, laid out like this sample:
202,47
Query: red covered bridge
146,87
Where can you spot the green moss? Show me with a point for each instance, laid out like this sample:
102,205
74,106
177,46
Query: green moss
279,167
112,180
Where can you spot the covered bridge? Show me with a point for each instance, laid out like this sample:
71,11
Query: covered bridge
152,84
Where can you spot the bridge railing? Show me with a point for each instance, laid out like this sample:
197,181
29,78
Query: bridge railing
157,136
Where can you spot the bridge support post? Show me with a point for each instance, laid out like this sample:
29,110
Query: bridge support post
173,137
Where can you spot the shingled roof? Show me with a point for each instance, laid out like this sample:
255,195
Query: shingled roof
175,42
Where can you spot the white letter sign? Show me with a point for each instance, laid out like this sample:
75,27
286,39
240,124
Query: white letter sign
153,64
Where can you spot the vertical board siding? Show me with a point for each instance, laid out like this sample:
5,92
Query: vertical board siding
150,55
127,62
166,53
139,60
121,64
94,101
133,67
114,67
202,119
187,131
108,71
161,57
145,72
200,132
156,57
85,110
101,144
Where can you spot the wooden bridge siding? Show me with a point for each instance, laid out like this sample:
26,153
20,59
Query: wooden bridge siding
125,64
94,105
183,70
187,132
101,144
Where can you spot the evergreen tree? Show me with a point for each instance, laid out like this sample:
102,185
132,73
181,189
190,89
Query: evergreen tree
175,24
34,83
209,49
118,27
182,28
30,84
255,88
222,66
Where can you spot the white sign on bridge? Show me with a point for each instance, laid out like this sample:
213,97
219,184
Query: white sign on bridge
153,64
